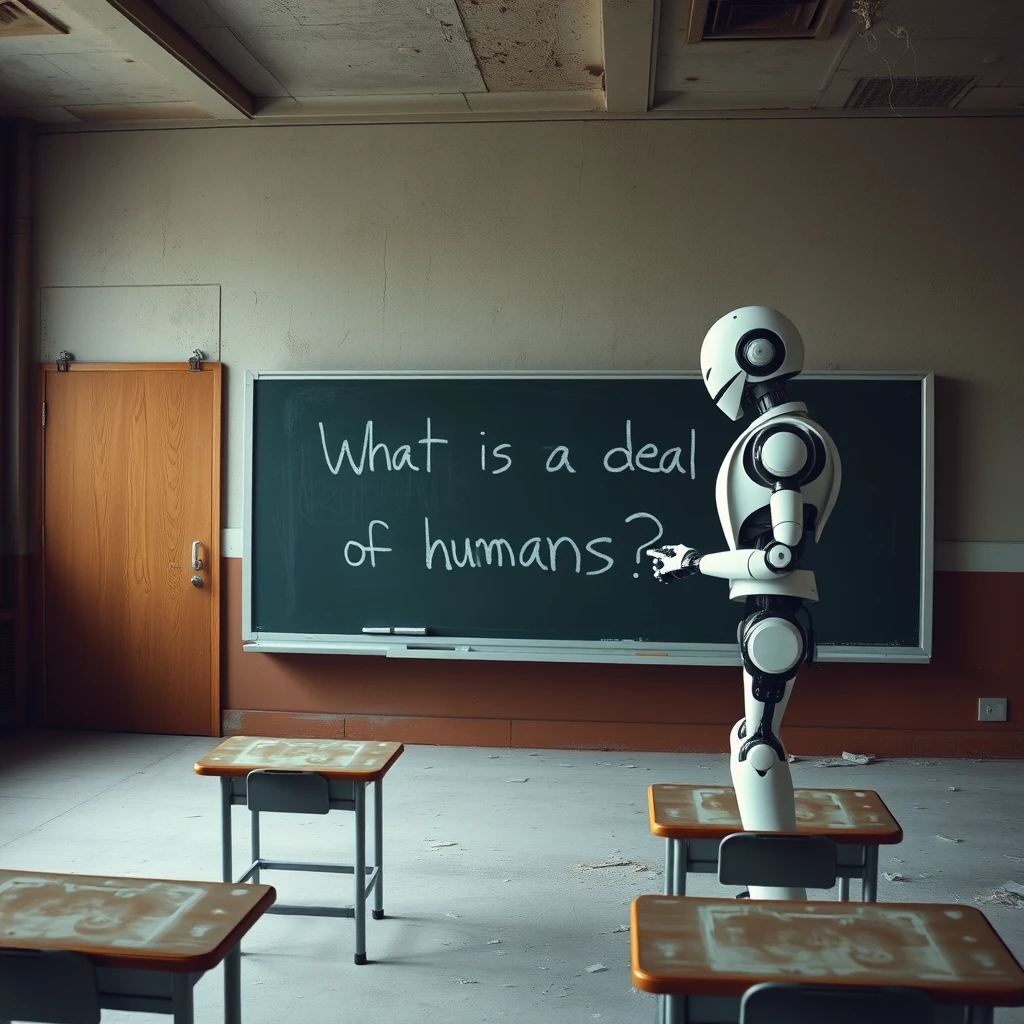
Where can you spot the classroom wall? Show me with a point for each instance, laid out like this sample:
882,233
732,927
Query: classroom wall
893,243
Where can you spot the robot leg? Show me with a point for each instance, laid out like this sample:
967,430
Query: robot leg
773,645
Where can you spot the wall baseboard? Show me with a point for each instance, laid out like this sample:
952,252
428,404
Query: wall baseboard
803,741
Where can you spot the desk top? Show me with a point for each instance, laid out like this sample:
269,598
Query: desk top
355,760
711,812
152,924
689,945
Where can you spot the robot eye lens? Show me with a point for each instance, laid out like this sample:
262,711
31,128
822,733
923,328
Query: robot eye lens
760,352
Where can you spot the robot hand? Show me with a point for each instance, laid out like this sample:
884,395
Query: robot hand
675,562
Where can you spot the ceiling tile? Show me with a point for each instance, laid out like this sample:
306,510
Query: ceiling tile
34,79
319,48
536,45
747,66
112,78
1004,98
81,37
336,61
1016,77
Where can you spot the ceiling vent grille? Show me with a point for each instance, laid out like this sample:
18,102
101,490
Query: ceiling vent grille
19,18
929,91
761,19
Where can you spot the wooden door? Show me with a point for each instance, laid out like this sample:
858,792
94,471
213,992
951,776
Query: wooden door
131,479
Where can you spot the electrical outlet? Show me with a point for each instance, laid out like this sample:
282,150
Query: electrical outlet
991,709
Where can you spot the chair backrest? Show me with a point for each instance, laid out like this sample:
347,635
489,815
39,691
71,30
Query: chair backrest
772,858
774,1003
295,792
49,986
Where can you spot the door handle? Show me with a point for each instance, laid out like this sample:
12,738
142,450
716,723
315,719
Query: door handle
197,562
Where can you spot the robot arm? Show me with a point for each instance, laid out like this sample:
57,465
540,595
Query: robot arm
779,459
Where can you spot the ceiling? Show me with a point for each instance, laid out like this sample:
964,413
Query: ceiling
274,61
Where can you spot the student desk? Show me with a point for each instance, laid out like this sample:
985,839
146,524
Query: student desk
695,819
149,940
312,777
703,954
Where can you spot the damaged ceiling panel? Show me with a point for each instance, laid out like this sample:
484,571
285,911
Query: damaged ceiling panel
536,45
325,48
745,70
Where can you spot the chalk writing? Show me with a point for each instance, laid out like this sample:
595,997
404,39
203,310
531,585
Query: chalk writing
623,458
400,458
541,552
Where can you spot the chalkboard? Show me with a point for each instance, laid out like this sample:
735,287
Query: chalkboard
507,516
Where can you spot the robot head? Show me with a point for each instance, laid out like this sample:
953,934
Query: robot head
748,346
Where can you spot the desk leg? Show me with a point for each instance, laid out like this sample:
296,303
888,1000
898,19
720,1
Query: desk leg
181,996
869,885
670,857
675,1009
980,1015
254,844
233,986
359,871
679,860
378,848
844,888
225,829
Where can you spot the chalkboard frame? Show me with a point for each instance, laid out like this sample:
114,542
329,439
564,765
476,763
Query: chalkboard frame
621,652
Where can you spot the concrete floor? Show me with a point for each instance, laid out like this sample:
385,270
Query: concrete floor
500,926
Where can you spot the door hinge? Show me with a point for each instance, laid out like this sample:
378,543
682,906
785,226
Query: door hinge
44,414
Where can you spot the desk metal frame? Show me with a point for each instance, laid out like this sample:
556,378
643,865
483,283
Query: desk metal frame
344,795
853,860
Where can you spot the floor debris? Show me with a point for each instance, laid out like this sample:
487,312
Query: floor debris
596,968
894,876
1009,894
467,981
517,780
605,864
949,839
441,846
493,942
858,758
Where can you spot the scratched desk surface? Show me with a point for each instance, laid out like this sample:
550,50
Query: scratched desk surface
689,945
335,759
711,812
128,922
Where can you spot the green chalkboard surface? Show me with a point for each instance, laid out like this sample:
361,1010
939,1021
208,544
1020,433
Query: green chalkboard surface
512,512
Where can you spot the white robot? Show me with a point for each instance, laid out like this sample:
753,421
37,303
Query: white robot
778,483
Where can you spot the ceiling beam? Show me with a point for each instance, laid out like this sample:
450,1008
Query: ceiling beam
630,35
145,32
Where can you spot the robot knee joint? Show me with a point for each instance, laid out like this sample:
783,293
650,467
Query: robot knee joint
772,646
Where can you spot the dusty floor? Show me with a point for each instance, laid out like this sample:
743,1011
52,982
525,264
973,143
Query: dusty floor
499,926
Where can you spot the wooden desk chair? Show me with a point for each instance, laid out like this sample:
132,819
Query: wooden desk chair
777,859
49,986
774,1003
